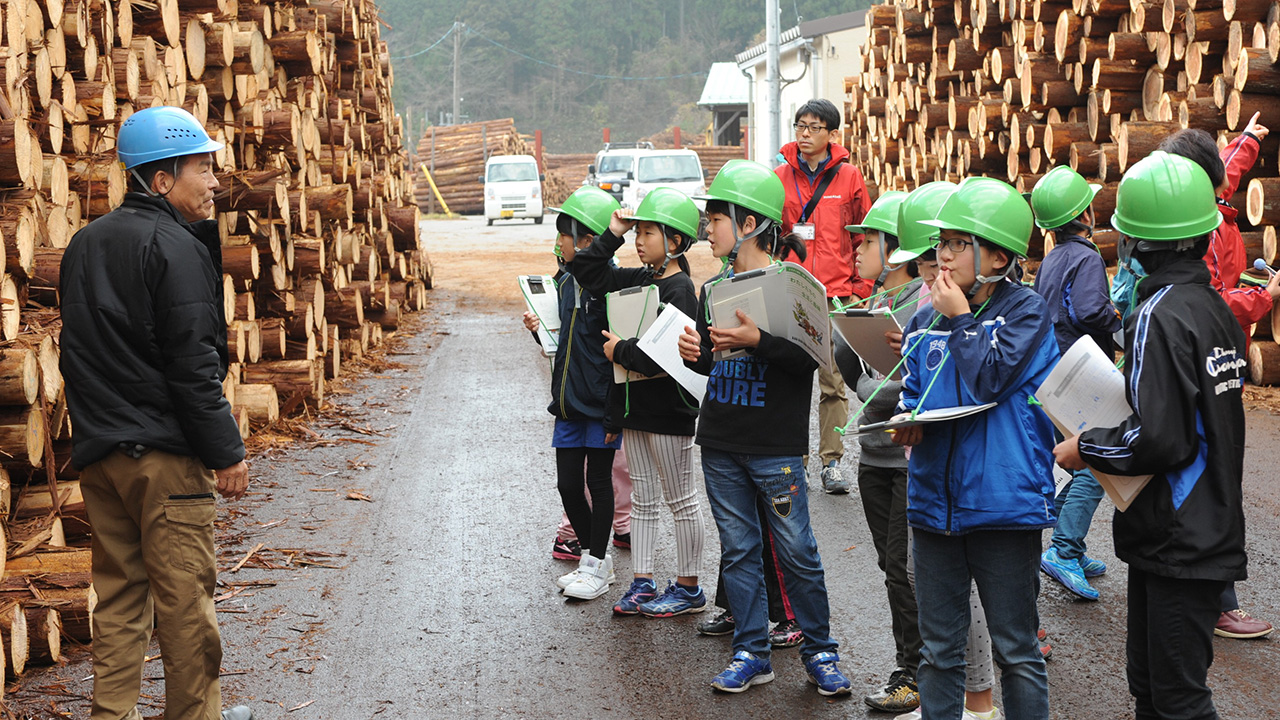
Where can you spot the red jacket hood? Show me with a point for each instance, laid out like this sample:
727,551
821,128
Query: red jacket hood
791,151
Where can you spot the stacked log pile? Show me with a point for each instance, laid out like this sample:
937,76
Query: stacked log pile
456,155
565,173
1010,88
321,245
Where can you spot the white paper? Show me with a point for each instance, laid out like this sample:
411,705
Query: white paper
864,331
630,312
542,299
1086,390
660,343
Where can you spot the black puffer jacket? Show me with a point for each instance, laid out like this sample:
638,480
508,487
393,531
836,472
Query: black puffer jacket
144,344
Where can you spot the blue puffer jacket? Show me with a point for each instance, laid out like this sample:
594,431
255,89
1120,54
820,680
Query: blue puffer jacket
994,470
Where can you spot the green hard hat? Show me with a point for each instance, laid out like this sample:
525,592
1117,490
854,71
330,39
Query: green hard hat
590,206
1060,196
670,207
920,204
1165,197
990,209
883,215
748,184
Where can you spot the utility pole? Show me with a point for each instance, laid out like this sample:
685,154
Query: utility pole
457,52
772,78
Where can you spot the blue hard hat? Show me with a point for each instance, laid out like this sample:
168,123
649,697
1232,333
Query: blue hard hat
157,133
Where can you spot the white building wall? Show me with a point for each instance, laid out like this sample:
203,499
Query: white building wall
834,59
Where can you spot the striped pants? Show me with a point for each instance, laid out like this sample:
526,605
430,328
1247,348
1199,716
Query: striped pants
662,467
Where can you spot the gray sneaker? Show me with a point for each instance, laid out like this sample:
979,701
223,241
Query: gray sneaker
239,712
833,481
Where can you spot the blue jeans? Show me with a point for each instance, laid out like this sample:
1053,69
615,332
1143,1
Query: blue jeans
734,481
1006,566
1075,506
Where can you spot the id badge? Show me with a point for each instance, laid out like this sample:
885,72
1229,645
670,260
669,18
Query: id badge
804,231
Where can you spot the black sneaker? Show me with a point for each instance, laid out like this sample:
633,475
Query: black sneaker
566,550
786,634
622,540
721,624
898,695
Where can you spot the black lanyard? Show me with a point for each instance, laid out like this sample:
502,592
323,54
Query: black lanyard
817,193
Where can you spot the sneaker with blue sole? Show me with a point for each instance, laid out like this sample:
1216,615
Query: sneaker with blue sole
824,673
1092,567
642,590
744,671
1067,572
675,600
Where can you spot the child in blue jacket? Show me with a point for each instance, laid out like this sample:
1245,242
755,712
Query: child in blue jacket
980,488
1073,282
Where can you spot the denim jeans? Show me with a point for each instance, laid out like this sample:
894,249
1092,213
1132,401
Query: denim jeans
734,481
1076,505
1006,566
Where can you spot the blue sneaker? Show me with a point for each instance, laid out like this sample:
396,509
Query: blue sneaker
1092,567
1067,572
823,672
675,600
744,671
642,590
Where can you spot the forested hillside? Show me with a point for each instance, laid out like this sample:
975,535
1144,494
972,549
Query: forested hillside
570,67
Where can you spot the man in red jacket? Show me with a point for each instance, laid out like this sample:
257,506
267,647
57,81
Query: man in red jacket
1227,260
815,166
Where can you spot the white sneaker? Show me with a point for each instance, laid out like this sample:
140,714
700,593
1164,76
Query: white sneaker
594,578
567,579
968,715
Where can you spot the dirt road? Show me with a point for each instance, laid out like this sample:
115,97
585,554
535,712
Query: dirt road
399,566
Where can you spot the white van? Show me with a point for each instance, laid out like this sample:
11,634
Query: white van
512,188
679,169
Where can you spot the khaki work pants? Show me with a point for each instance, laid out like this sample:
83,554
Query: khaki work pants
833,411
153,557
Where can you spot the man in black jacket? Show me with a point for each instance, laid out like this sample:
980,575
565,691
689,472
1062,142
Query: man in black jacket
1183,534
144,353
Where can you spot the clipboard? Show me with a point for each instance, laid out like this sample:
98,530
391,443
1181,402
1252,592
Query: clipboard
543,300
864,331
924,417
1085,390
791,304
630,312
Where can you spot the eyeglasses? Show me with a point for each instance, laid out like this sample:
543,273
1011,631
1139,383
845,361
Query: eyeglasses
955,245
802,128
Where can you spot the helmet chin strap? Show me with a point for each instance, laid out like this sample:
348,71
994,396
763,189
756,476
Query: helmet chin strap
147,188
979,278
739,239
885,267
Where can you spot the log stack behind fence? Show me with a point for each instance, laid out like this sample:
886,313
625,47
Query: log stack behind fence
319,227
1010,88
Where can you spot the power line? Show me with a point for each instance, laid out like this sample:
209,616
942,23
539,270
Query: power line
429,47
467,30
